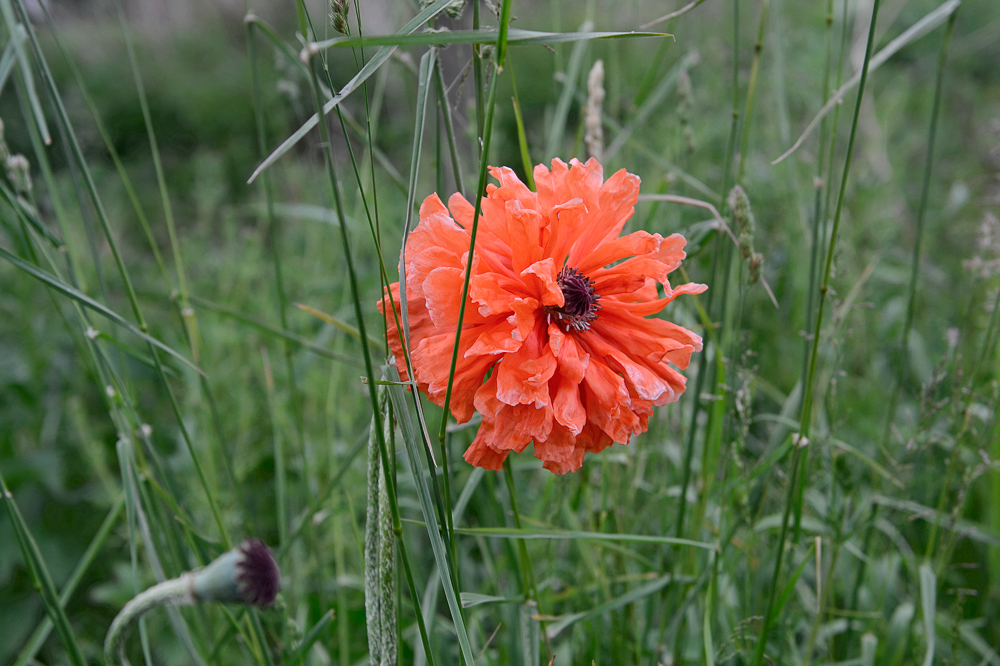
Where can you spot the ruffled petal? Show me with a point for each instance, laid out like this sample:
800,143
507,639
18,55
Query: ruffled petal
567,407
523,376
481,454
616,204
572,391
560,452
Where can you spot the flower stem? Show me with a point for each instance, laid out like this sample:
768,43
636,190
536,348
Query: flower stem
176,591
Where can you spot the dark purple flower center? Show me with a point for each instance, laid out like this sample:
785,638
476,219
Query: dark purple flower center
580,304
257,574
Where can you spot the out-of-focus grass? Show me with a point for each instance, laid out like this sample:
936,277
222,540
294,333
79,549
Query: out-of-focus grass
57,442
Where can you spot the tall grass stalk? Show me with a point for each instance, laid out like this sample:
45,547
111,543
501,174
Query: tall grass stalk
366,353
498,61
911,297
682,548
102,216
805,418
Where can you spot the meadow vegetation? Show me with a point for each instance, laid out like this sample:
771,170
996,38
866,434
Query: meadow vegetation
181,365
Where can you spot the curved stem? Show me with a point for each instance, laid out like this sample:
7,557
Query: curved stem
177,591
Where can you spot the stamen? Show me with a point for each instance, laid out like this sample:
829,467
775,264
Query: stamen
580,304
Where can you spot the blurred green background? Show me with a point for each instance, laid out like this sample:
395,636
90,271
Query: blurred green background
57,443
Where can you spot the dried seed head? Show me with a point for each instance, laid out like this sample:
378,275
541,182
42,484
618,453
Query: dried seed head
986,262
594,138
746,224
19,173
338,15
247,574
453,9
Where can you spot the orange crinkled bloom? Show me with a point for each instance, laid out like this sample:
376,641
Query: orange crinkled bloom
557,314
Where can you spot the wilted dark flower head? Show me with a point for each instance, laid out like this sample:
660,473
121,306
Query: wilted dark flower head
257,573
247,574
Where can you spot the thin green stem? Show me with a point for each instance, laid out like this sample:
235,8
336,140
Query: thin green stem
80,160
758,48
366,353
501,49
449,129
527,573
911,300
806,413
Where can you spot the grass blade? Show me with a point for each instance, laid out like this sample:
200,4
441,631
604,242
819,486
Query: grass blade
514,36
641,592
558,126
83,299
805,418
527,533
17,32
34,644
8,59
40,577
651,103
928,603
302,649
925,25
370,68
411,445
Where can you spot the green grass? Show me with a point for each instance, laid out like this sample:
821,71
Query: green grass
161,395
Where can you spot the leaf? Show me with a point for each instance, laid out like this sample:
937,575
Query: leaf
528,533
514,36
302,649
370,68
932,20
641,592
928,602
470,599
83,299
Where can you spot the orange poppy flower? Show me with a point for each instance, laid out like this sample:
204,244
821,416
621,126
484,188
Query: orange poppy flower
557,347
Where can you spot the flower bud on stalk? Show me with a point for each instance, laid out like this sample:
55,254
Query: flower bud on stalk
247,575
